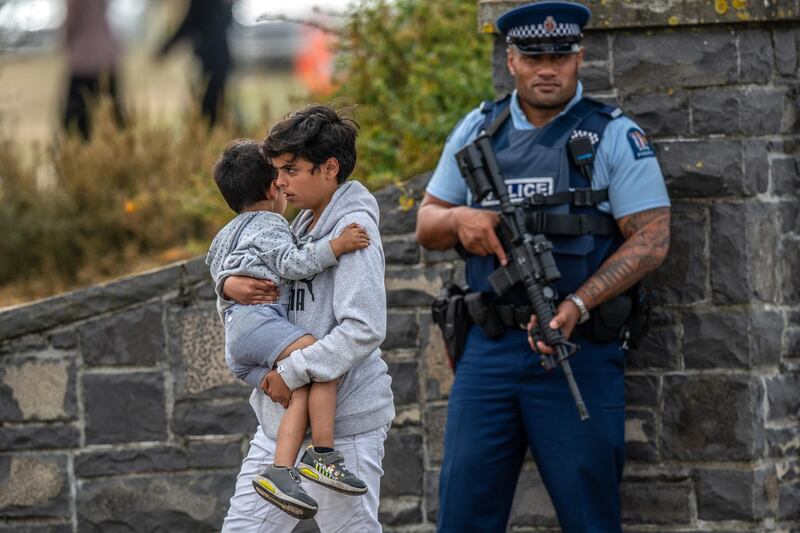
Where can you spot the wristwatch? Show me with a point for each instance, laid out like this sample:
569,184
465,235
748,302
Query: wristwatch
574,298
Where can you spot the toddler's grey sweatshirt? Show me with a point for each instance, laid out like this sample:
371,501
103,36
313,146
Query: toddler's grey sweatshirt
345,308
260,244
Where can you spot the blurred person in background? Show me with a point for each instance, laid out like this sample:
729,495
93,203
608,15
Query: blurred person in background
206,25
93,55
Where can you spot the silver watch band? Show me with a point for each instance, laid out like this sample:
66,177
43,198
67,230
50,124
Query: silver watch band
578,301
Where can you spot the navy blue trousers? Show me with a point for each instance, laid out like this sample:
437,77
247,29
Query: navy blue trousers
502,403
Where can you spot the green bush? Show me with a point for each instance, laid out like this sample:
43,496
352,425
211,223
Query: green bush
413,68
126,200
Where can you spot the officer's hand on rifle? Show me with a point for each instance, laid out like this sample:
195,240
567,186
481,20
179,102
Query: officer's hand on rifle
476,231
565,319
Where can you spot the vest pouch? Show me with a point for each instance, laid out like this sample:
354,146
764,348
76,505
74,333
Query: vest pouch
608,319
572,259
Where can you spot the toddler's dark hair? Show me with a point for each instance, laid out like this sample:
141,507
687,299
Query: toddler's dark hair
243,174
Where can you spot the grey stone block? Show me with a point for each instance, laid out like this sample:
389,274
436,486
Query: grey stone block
197,354
402,464
114,462
783,442
783,401
210,454
716,339
37,390
756,165
596,45
681,279
30,437
789,501
696,59
744,252
715,110
641,391
731,494
789,216
432,495
655,503
532,506
415,286
434,423
405,384
789,265
167,502
748,110
502,81
213,418
756,55
785,41
595,78
436,372
766,336
395,217
640,435
711,418
34,486
124,407
403,252
660,350
402,511
64,339
132,338
401,331
659,114
786,176
702,169
792,343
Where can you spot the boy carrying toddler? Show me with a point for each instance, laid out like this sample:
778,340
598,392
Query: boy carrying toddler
258,243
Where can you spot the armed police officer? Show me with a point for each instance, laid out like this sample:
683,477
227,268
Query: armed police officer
608,223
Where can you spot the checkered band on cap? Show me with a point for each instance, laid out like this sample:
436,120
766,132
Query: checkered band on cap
542,31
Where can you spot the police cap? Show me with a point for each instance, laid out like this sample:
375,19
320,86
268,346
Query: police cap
545,27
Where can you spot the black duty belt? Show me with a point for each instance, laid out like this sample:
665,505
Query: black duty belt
512,316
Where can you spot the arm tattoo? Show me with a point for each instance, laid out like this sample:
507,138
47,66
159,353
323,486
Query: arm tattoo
645,247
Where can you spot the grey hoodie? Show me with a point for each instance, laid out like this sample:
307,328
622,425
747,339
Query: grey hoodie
345,308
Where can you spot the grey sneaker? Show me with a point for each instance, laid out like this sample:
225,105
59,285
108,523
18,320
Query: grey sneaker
328,470
281,487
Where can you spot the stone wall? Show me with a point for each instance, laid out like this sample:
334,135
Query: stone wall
117,413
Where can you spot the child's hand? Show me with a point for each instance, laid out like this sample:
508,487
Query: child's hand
276,388
354,237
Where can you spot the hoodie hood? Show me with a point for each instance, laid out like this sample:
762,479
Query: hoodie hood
350,197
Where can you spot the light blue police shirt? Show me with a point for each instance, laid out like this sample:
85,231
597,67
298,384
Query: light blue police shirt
624,163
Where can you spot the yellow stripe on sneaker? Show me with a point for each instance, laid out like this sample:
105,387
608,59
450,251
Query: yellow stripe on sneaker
310,473
267,485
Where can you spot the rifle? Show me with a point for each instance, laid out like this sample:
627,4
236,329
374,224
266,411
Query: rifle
531,258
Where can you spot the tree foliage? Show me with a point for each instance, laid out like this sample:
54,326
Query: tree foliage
413,68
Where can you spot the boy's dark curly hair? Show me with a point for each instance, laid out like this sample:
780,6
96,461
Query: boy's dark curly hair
315,134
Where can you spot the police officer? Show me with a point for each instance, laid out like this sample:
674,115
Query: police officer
609,227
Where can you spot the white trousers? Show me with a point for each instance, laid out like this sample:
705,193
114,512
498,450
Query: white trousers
363,455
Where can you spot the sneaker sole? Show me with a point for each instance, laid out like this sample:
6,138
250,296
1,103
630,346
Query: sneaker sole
311,474
285,503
